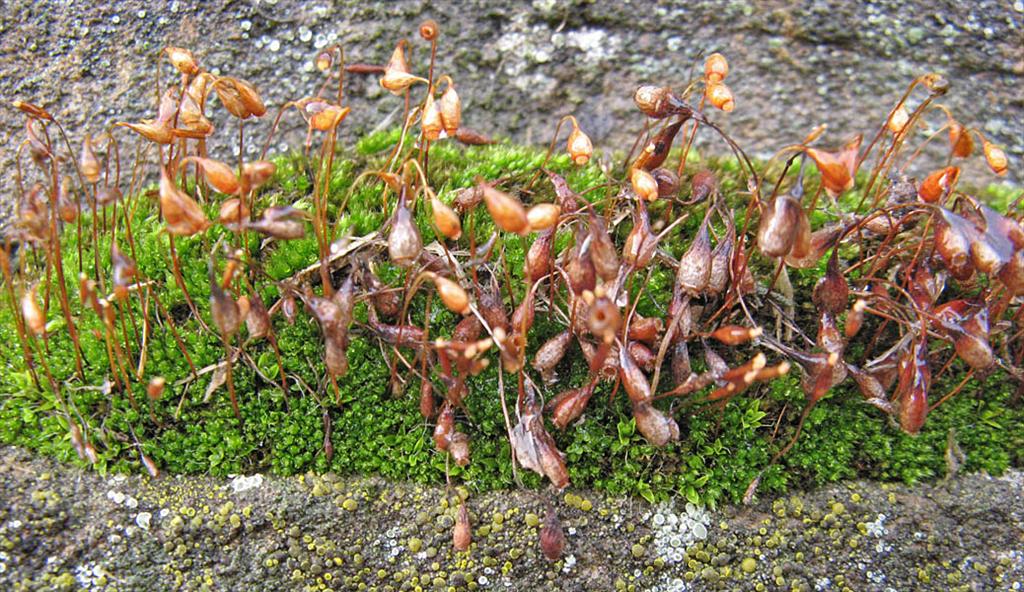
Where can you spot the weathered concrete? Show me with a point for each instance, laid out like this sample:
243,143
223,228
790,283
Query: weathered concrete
62,529
520,65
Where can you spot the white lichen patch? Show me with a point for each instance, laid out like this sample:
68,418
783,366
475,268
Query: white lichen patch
569,563
1013,477
670,583
674,532
92,577
877,527
246,482
595,44
143,519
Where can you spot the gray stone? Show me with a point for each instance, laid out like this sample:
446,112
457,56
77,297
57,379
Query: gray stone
520,66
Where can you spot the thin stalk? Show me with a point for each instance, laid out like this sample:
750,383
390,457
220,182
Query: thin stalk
54,250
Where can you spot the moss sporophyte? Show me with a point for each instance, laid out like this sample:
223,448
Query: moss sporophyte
434,304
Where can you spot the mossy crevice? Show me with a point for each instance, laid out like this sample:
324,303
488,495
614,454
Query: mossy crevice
376,432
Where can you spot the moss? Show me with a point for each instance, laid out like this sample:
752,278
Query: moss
374,432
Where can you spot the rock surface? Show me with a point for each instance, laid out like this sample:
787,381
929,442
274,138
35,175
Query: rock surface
521,65
62,528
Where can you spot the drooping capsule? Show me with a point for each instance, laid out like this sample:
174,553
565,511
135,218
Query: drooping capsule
459,448
642,355
124,271
397,75
953,237
971,341
181,213
603,255
543,216
580,267
231,97
680,363
604,319
871,389
694,271
802,239
668,182
538,263
534,447
552,539
191,122
280,222
150,465
829,337
645,329
445,219
993,249
404,241
155,388
656,427
428,403
88,163
960,143
912,391
702,186
633,379
233,214
855,318
327,117
653,101
837,168
735,334
644,184
462,535
507,211
996,158
445,427
716,68
568,405
579,146
720,96
641,243
452,295
451,110
550,354
656,151
35,320
721,257
223,308
472,138
152,131
323,61
832,291
431,122
1001,225
898,120
257,322
182,59
255,173
1012,274
938,184
779,223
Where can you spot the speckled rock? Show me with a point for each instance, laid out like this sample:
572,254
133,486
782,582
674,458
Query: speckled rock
520,65
63,528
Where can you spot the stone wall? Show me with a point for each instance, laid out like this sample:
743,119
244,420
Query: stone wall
521,65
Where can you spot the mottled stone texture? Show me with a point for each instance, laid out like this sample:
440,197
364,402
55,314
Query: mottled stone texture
520,65
62,528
